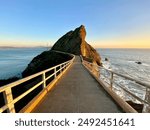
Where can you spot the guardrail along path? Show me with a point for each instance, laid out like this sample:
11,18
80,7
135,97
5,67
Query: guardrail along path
77,91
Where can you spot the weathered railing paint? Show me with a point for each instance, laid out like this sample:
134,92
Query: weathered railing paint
88,65
7,93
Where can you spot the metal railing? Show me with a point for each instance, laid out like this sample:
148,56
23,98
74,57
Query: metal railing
111,82
7,89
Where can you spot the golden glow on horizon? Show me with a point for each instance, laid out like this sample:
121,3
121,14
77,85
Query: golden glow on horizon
142,42
123,43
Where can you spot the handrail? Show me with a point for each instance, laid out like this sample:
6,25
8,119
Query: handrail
111,80
7,89
29,77
124,76
121,75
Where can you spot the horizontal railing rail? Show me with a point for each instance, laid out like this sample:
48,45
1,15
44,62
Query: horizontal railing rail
112,82
7,89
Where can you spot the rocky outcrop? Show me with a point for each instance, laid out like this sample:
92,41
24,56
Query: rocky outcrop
138,62
7,81
74,42
44,61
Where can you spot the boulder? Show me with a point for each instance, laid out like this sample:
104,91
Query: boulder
74,42
106,59
138,62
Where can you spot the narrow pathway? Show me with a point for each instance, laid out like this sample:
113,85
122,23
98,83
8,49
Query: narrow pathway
77,91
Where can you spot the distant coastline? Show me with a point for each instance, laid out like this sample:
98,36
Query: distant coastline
51,46
124,48
9,47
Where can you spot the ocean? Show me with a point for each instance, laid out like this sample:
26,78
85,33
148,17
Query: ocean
14,60
124,61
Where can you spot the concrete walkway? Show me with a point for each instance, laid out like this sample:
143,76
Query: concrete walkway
77,91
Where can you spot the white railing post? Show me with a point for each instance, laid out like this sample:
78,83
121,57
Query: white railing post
147,95
65,65
111,80
60,68
99,73
55,73
8,100
43,79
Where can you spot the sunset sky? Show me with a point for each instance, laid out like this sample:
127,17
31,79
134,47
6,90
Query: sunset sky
109,23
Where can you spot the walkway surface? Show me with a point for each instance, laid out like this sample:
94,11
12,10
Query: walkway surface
77,91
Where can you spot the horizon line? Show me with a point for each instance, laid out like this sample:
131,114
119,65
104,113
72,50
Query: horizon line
94,47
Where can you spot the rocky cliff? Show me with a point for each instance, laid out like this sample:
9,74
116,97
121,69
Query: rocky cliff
74,42
44,61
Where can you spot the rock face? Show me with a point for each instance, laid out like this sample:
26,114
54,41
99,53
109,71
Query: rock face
74,42
44,61
138,62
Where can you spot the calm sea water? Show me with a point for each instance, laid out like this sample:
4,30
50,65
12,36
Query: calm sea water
14,60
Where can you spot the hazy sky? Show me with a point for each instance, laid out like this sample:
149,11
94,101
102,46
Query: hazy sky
109,23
